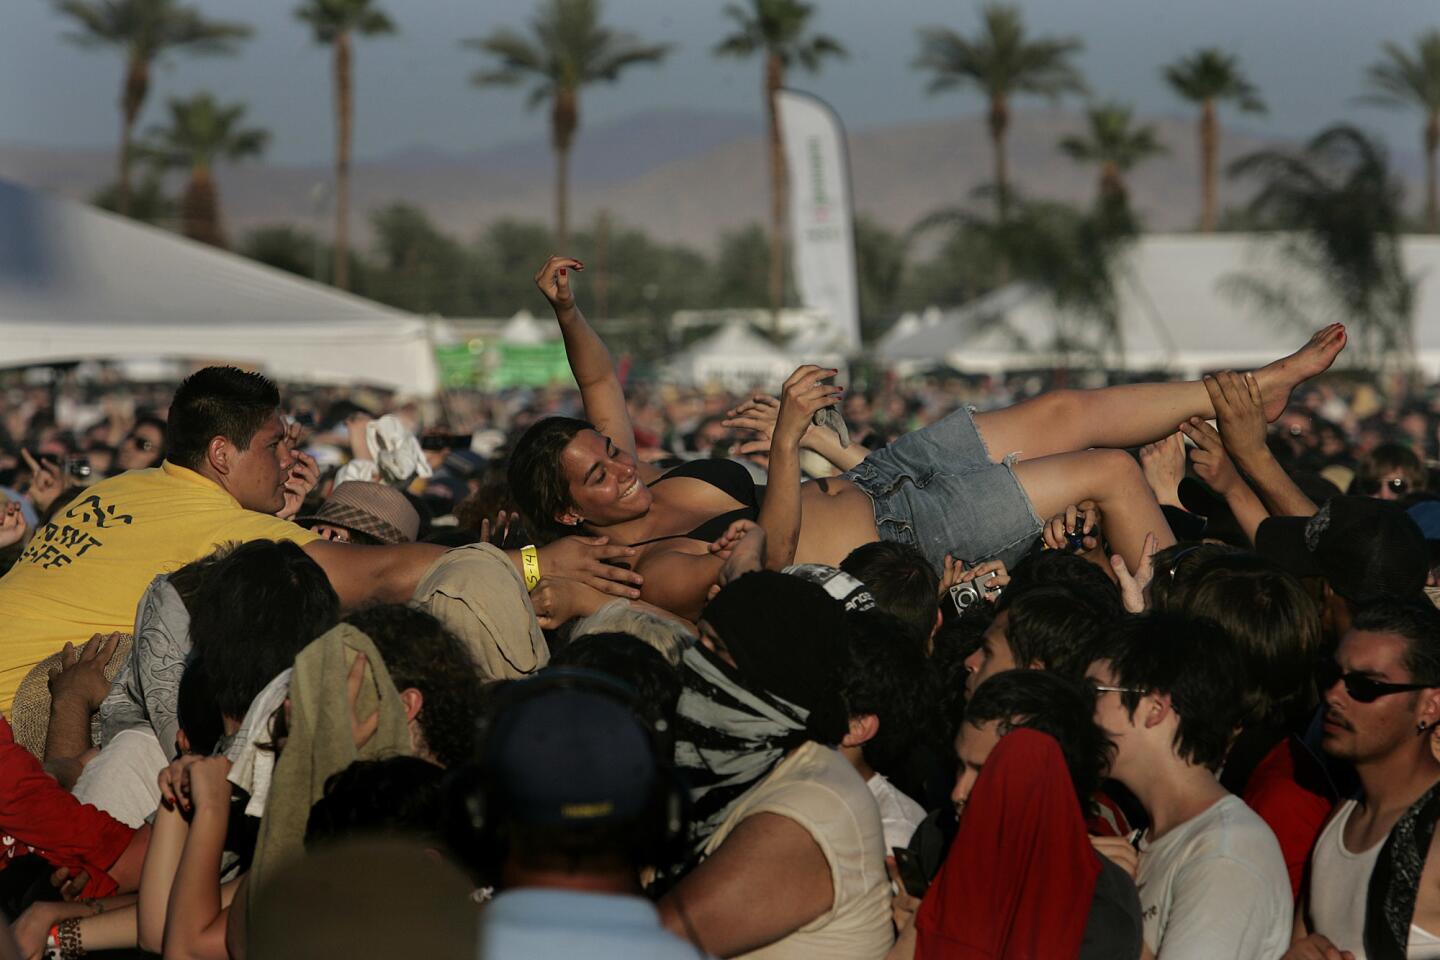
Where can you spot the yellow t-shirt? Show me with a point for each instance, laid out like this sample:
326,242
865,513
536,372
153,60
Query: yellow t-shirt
84,572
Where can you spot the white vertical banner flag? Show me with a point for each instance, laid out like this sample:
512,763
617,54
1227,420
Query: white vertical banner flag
822,235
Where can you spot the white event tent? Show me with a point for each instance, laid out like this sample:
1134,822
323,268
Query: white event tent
1178,312
77,283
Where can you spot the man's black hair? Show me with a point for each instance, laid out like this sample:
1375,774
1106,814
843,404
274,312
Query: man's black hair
886,674
217,402
1053,705
1418,622
420,653
955,641
901,580
643,668
256,609
1055,627
396,795
1192,660
196,712
1058,569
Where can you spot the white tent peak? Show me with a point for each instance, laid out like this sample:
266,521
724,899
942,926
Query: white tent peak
78,283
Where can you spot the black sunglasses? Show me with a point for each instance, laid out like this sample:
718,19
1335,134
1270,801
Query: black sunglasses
1362,689
1397,485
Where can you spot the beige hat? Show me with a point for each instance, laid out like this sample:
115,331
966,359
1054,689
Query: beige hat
375,509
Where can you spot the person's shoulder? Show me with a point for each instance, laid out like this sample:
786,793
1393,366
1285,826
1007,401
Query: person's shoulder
1230,838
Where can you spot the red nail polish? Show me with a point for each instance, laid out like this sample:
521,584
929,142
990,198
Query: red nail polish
562,271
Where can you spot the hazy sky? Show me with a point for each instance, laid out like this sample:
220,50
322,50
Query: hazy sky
1306,56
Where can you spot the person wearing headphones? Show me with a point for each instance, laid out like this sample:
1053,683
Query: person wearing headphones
573,801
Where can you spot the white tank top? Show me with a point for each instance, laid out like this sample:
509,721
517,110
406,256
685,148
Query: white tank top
1339,881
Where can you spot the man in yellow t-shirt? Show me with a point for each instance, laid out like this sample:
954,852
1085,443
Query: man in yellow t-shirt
84,571
223,480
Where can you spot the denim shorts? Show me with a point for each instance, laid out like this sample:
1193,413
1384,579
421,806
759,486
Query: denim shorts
937,489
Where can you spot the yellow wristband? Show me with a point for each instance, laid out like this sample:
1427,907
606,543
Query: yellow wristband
530,565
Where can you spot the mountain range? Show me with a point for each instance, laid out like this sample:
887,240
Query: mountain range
682,176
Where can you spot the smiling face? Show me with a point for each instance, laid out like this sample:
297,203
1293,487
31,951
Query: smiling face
1360,732
605,487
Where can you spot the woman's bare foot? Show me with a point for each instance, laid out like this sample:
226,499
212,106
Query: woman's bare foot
1163,463
1278,379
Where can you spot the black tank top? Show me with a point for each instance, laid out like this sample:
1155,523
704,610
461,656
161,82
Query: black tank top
727,476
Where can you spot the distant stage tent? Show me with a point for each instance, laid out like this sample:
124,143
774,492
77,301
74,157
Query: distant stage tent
1178,312
735,358
77,283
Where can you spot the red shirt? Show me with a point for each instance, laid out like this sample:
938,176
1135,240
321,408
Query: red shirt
1289,791
37,815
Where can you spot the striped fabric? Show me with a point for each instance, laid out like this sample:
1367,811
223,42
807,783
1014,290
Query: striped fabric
727,737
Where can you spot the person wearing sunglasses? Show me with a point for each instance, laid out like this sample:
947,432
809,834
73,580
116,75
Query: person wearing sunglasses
1389,472
143,447
1367,896
1170,693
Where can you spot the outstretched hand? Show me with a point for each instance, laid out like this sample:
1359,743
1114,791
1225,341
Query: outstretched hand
1211,461
46,481
742,547
1077,530
1133,583
304,476
553,281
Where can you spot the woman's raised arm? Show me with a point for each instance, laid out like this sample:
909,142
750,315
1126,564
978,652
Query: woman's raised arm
590,360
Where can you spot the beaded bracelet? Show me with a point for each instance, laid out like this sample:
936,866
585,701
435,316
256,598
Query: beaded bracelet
67,934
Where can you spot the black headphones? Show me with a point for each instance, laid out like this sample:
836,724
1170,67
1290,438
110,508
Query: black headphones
663,847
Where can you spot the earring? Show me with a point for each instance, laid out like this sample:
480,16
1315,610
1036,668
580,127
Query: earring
1421,727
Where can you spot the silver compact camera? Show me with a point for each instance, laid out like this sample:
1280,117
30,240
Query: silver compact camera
966,595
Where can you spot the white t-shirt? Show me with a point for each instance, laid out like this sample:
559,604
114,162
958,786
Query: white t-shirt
122,779
1216,886
899,815
818,789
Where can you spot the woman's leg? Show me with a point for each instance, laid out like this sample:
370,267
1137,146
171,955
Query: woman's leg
1112,479
1129,416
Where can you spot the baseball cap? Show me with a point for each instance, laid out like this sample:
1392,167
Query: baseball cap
1364,548
371,508
569,756
1426,515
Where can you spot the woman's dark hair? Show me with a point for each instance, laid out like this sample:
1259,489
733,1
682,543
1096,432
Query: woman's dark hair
397,795
1196,663
642,667
188,579
1275,622
537,478
256,609
1055,568
1053,705
420,653
196,712
217,402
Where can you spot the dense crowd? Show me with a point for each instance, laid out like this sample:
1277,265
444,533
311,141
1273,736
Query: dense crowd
975,669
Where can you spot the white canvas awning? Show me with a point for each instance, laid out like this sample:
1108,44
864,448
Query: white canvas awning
77,283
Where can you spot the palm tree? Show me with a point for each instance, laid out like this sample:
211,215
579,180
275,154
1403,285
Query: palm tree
1206,77
144,29
1401,80
1338,208
568,49
1114,143
1003,62
201,133
334,23
776,28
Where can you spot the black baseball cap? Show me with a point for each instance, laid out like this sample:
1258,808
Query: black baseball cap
1365,549
569,756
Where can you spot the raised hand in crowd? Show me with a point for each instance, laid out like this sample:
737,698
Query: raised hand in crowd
12,525
499,530
304,475
1076,530
1240,418
759,413
1133,583
956,572
46,481
1163,463
803,394
554,283
1213,465
361,729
